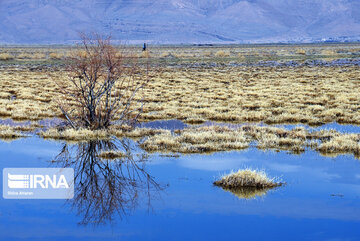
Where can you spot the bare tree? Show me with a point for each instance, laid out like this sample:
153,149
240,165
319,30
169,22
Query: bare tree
104,84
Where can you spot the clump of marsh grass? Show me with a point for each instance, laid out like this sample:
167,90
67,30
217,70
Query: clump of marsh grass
74,135
10,134
345,143
24,56
84,134
247,178
145,54
197,140
55,55
110,155
165,55
195,120
300,51
207,139
6,56
222,54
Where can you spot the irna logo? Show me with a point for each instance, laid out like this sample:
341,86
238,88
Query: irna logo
38,183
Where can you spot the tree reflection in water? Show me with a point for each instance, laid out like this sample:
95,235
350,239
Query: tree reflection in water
103,188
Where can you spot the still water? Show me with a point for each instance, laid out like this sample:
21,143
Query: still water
172,198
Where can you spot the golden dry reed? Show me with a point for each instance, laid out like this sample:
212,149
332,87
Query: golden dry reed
274,95
247,178
208,139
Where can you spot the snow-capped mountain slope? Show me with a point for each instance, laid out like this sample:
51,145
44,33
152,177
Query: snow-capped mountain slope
179,21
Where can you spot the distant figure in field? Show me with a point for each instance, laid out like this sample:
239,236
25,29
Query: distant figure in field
144,47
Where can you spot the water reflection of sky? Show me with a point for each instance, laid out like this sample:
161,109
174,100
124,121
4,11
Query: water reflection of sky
319,202
177,124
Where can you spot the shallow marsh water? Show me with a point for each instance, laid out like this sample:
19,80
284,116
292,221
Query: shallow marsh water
319,202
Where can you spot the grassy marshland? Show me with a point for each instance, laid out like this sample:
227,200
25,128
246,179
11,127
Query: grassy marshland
197,140
207,139
198,84
215,138
221,92
86,135
247,178
74,135
310,95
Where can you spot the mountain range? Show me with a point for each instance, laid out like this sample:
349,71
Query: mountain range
180,21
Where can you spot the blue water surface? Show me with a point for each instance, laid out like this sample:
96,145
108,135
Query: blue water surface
319,202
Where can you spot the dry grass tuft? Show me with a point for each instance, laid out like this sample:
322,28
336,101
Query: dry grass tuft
195,120
9,133
340,144
300,51
55,55
145,54
197,140
6,56
24,56
222,54
165,55
74,135
247,178
221,138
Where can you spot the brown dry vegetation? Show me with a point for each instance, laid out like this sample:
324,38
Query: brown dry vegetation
216,138
247,183
6,56
74,135
247,178
197,140
307,94
310,95
208,139
10,133
86,134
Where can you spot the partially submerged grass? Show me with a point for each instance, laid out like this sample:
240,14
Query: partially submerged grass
197,140
10,133
207,139
74,135
222,138
341,143
6,56
247,178
86,134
